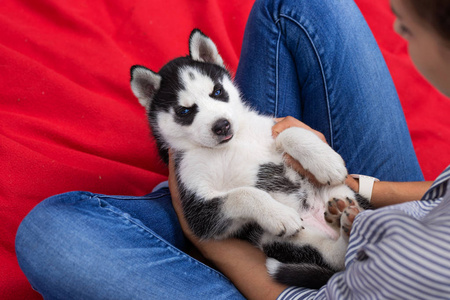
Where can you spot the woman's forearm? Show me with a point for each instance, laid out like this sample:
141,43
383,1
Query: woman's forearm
244,265
388,193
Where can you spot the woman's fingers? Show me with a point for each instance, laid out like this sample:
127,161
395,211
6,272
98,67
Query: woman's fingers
287,122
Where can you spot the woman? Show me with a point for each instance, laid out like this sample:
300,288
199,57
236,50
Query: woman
388,247
315,60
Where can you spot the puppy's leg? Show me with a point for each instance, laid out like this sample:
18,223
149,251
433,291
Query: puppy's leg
253,204
311,254
313,154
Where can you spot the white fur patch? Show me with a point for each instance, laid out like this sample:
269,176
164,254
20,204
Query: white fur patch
272,266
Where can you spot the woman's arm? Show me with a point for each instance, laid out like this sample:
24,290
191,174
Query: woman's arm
389,193
241,262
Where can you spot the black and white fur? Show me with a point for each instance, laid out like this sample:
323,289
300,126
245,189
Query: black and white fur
231,174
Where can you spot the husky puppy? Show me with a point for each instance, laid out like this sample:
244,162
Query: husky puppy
232,176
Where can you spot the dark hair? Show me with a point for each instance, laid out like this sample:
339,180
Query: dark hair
436,13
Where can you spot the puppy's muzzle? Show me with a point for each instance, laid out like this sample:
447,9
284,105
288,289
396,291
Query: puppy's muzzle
222,128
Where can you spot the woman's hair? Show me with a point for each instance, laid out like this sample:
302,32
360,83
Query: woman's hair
436,13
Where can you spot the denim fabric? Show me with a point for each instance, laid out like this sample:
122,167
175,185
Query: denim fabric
314,60
80,245
318,61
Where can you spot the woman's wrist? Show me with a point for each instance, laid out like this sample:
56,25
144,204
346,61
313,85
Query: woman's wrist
365,185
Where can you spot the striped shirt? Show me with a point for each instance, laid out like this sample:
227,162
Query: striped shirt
397,252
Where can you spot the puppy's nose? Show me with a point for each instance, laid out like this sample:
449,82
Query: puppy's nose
221,127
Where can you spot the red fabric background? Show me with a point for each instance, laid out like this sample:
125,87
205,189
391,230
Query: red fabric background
70,122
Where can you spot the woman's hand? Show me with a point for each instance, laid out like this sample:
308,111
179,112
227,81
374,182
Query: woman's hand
288,122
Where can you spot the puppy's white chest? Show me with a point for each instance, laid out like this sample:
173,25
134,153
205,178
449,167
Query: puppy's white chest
233,166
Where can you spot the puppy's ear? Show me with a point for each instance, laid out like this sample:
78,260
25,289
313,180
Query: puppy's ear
203,49
144,84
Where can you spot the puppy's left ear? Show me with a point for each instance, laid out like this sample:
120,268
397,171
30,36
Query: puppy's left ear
145,84
203,49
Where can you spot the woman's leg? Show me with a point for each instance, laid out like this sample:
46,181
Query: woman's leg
85,246
318,61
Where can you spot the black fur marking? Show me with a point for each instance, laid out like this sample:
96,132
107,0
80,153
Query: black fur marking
219,93
303,275
185,115
363,202
204,217
171,83
250,232
272,178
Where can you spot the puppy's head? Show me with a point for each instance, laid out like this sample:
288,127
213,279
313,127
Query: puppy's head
191,102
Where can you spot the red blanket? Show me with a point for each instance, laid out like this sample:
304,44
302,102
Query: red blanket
70,122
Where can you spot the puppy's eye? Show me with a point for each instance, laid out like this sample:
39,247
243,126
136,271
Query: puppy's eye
183,111
217,91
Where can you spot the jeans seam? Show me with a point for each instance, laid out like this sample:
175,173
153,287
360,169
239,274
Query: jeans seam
159,239
144,198
276,73
281,15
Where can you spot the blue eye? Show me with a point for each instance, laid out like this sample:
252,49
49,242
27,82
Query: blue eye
217,91
183,111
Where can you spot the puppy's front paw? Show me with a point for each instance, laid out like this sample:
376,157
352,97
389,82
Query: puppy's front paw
329,168
313,154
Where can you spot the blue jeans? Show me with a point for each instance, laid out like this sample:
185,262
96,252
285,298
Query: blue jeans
314,60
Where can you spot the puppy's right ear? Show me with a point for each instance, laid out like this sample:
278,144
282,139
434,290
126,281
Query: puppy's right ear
144,84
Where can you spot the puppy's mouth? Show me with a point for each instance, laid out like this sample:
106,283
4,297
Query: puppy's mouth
226,138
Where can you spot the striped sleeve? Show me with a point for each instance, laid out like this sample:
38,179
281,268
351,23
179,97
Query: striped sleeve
406,258
400,252
438,189
295,293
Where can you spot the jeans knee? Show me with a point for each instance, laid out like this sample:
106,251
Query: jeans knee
319,11
41,228
50,211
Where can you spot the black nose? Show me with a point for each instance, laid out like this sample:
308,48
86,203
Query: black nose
221,127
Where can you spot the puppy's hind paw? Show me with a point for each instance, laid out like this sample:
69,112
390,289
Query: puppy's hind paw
284,223
334,209
347,218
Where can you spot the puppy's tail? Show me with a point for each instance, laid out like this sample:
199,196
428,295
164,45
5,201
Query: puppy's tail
303,274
